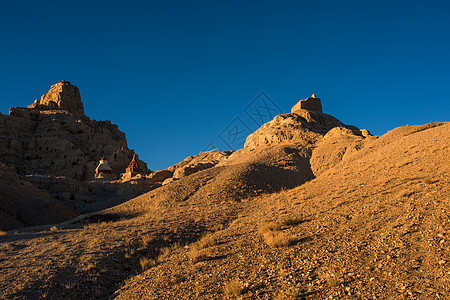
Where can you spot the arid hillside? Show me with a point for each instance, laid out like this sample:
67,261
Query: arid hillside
310,208
48,154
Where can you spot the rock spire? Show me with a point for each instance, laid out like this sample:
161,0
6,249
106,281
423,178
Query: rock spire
61,96
311,103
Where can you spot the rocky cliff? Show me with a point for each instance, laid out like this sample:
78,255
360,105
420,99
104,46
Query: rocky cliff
52,147
54,136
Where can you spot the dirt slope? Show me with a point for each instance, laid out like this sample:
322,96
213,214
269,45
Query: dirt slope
23,205
374,224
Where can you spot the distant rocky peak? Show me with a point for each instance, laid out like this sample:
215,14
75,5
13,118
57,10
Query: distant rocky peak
62,95
311,103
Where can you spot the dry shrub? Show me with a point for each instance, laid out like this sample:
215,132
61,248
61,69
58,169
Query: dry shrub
129,251
207,240
5,248
54,229
147,263
217,227
290,293
87,263
424,127
273,236
164,253
69,285
20,286
175,246
128,280
147,240
232,288
2,233
269,226
196,255
334,280
90,267
276,239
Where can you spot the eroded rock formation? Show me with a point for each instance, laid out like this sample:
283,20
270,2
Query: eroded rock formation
53,148
54,136
306,125
62,96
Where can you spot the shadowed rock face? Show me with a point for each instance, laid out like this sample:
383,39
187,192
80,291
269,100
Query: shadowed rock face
22,204
61,95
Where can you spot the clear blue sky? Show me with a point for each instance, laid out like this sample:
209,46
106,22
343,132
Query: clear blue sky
174,74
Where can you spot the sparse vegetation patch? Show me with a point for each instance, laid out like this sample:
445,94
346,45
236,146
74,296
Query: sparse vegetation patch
334,280
288,294
147,263
147,240
269,226
164,253
277,239
424,127
207,240
233,288
196,255
273,236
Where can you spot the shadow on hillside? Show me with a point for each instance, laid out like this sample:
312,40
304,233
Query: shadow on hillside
97,218
107,217
47,230
301,240
102,275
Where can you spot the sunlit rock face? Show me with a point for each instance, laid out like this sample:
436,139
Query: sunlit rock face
61,95
306,124
312,104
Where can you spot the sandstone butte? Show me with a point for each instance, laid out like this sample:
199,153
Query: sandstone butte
309,208
54,136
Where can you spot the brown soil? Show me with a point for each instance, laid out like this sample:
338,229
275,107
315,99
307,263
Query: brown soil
373,224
